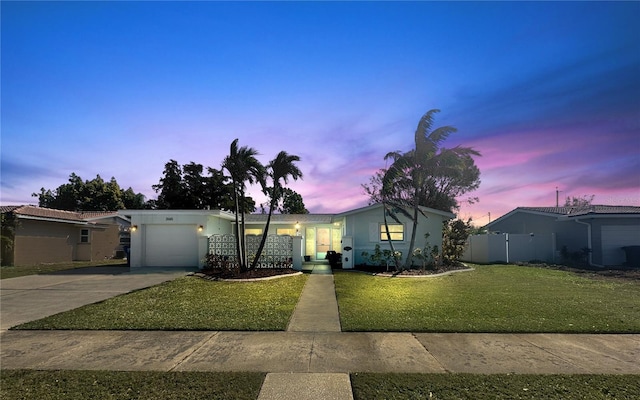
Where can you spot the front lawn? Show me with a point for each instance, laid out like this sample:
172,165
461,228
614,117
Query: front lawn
189,303
112,385
371,386
14,272
495,298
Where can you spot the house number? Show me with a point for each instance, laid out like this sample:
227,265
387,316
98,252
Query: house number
169,219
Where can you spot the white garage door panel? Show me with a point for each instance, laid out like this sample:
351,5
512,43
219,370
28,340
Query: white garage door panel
171,246
616,236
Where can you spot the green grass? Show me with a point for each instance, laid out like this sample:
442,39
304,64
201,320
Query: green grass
14,272
111,385
371,386
498,298
189,303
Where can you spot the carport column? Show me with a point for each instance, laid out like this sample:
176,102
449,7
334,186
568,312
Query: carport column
297,253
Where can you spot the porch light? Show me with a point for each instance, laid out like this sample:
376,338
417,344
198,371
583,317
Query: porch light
200,228
134,228
297,228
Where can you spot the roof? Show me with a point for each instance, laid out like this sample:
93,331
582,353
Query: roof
569,212
577,211
445,214
42,213
290,218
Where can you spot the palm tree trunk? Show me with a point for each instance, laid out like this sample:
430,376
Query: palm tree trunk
386,227
243,238
412,243
237,221
263,240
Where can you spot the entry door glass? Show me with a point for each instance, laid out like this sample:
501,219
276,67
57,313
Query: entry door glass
323,242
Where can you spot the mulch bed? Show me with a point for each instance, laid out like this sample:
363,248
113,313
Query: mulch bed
251,274
411,272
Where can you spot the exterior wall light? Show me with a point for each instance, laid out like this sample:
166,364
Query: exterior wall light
200,228
134,228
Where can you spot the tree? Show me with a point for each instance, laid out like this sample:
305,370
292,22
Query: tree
185,187
279,169
292,203
584,201
243,167
93,195
454,240
425,176
170,187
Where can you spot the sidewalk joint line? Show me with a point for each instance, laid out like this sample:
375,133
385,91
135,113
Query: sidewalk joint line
195,349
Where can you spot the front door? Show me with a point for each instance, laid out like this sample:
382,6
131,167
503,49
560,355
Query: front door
323,242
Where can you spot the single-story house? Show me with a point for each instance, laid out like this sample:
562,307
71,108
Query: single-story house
603,230
182,238
34,235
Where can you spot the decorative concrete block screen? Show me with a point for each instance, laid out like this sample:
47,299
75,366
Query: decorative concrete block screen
277,252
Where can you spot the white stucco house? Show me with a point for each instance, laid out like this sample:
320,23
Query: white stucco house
182,238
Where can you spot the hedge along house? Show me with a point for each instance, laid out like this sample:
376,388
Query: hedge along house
36,235
182,238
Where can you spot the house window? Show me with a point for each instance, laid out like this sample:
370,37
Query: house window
286,231
396,232
84,236
253,231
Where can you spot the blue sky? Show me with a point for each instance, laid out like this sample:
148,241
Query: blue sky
548,92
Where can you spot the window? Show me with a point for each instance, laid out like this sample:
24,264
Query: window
286,231
253,231
396,232
84,236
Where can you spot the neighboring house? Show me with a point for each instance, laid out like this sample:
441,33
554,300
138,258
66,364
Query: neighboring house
42,235
182,238
602,229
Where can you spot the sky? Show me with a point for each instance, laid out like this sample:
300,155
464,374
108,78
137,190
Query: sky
547,92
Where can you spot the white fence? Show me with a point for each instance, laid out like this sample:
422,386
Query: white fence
508,247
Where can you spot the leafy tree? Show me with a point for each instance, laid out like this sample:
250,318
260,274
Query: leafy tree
454,240
243,167
292,203
426,176
185,187
584,201
170,187
93,195
279,169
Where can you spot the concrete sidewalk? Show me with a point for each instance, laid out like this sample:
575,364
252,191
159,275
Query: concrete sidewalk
312,359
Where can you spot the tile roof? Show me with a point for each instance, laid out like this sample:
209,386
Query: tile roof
50,213
577,211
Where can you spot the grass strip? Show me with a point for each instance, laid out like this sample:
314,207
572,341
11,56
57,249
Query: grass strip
112,385
188,303
372,386
14,272
498,298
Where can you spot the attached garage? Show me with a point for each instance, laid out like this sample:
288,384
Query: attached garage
614,237
173,238
170,246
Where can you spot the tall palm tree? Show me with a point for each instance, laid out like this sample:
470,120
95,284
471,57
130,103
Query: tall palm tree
243,167
280,169
414,176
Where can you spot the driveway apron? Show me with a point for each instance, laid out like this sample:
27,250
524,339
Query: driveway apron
28,298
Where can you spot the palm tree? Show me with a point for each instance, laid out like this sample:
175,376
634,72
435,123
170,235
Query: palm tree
420,176
242,167
280,168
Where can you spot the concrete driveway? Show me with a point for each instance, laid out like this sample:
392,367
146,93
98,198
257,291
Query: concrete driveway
28,298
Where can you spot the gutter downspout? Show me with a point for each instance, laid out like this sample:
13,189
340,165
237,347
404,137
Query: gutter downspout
590,259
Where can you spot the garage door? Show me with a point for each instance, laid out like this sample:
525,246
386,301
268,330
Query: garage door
613,238
171,246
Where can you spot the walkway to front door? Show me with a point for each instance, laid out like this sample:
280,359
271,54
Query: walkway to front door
317,269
